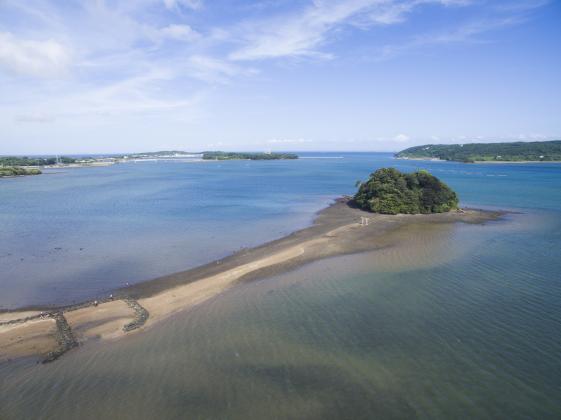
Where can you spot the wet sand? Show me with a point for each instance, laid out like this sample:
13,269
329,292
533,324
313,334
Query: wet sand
36,337
337,230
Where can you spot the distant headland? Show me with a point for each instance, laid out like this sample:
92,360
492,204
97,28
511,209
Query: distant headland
516,152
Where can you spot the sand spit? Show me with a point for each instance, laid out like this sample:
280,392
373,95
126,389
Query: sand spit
338,229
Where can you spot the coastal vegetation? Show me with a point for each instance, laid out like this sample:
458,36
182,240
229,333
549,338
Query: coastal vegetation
247,156
390,191
544,151
15,171
105,160
34,161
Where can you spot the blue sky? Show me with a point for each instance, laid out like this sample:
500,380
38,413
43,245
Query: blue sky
86,76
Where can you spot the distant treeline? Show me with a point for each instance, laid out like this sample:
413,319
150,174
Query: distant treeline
158,154
26,161
14,171
247,156
499,152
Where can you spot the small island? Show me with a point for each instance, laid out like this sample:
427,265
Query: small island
247,156
537,151
10,171
389,191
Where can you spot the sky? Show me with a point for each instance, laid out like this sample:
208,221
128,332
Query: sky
111,76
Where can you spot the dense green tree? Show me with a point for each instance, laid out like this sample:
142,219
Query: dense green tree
390,191
6,171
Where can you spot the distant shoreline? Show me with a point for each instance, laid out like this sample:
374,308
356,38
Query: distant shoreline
480,161
187,158
425,159
516,161
48,332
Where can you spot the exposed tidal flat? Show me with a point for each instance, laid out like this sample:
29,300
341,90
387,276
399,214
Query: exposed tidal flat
51,332
460,321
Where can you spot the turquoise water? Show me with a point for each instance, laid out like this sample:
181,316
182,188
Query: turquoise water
463,323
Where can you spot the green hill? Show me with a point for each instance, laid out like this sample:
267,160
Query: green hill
544,151
390,191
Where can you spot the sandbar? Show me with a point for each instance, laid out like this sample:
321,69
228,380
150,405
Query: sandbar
339,229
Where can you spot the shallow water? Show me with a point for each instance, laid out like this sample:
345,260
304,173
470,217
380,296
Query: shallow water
79,233
463,322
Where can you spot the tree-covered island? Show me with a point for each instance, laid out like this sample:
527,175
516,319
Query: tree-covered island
247,156
536,151
390,191
7,171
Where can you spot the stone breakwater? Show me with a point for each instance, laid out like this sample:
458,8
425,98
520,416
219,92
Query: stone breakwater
140,315
64,336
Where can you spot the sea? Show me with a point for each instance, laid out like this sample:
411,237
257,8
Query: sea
464,321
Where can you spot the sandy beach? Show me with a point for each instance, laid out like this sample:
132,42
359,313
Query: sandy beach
47,333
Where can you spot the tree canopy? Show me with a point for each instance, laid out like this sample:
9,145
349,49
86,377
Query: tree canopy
390,191
6,171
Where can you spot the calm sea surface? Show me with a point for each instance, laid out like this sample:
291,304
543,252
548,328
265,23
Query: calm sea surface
463,322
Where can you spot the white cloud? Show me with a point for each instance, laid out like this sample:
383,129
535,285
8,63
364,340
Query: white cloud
302,33
214,70
466,32
191,4
46,58
521,5
180,33
288,141
102,102
34,118
295,35
401,138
